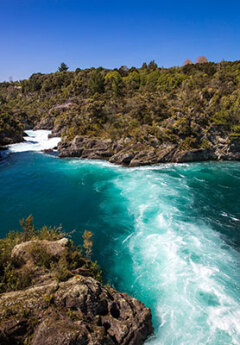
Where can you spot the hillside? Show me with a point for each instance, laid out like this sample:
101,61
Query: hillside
131,116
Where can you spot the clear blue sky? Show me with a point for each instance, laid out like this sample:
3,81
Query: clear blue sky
37,35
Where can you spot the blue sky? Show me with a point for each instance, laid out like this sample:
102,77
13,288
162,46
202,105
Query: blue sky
37,35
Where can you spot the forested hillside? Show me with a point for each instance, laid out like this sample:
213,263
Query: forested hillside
145,107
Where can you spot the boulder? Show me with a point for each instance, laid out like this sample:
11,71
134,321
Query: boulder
24,251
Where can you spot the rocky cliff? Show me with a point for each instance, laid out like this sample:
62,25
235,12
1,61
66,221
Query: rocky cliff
123,152
75,310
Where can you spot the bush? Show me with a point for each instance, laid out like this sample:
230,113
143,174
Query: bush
96,82
15,275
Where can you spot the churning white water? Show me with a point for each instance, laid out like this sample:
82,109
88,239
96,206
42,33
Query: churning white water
182,266
35,141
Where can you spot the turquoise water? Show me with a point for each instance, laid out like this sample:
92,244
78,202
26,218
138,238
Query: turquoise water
168,235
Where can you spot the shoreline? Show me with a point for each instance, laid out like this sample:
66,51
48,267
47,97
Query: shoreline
122,165
122,152
126,153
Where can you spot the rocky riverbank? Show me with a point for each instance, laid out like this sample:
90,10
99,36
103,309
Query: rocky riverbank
218,146
75,310
123,152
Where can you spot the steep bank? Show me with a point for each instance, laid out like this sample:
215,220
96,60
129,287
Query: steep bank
52,297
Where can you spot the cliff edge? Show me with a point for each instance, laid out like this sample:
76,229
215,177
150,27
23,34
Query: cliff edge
65,306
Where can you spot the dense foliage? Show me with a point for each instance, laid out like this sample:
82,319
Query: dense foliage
176,105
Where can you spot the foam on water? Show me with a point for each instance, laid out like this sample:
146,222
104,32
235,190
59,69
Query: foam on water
35,141
181,262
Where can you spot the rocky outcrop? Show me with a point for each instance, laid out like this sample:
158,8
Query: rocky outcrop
123,152
79,310
86,148
10,137
45,123
196,155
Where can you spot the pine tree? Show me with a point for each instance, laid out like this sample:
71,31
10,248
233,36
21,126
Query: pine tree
63,67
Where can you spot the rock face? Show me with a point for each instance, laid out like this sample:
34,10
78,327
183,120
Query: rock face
77,311
10,137
86,148
123,152
45,123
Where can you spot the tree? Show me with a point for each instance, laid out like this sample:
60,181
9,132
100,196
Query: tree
113,81
96,82
133,80
123,70
187,62
63,67
152,65
201,59
144,66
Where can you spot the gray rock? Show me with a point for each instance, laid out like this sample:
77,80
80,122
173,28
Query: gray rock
77,311
123,152
194,156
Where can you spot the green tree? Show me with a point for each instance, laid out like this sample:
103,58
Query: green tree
63,67
152,65
123,70
117,85
113,80
96,82
133,80
144,66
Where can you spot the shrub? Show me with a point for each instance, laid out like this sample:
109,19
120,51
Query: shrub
96,82
15,275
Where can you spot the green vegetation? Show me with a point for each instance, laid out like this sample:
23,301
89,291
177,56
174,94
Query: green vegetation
177,105
96,82
63,67
14,275
11,127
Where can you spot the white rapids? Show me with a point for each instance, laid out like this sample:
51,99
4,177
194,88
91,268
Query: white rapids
35,141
